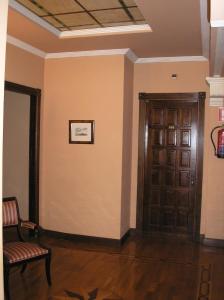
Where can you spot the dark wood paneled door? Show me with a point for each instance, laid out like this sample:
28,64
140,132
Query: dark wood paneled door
171,166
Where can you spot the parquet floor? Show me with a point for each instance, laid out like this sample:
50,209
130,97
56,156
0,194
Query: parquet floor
144,268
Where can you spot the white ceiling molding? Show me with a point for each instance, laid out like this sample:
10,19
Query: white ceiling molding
170,59
87,53
27,13
216,91
105,31
205,28
131,55
18,43
217,23
109,52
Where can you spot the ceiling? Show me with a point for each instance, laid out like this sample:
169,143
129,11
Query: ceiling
175,24
82,14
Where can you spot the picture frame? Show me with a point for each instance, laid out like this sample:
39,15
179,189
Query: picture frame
81,131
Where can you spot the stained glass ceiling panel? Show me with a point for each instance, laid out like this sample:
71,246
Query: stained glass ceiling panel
85,14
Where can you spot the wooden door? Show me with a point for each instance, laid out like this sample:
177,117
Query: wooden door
171,136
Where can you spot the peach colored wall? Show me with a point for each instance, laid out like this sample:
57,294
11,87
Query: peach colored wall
16,149
217,10
213,188
80,187
127,145
23,67
156,78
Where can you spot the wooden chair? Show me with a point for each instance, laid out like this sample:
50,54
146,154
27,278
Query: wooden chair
20,252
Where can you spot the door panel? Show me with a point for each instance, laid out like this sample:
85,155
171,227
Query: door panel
170,192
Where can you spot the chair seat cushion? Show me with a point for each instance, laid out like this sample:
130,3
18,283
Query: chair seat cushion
20,251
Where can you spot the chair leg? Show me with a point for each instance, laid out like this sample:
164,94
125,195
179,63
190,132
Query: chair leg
48,268
6,282
23,268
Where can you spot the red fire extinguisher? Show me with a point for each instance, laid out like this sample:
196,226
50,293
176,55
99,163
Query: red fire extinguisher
219,151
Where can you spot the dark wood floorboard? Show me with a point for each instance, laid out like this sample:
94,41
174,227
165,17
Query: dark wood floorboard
144,268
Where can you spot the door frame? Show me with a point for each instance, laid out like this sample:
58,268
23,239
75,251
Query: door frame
34,144
145,98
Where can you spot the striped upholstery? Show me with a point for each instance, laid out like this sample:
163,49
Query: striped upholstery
10,215
28,225
19,251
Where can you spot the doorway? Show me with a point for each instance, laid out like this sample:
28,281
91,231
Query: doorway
170,163
30,100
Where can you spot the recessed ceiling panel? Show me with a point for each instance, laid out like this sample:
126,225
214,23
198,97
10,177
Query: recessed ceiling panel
76,19
100,4
59,6
136,14
63,29
53,21
109,16
118,24
33,7
129,2
83,14
84,27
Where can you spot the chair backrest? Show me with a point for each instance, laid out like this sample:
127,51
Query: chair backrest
10,212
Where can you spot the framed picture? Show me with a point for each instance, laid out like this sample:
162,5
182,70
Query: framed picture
81,132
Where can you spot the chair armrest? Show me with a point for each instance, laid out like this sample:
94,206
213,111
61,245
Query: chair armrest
28,225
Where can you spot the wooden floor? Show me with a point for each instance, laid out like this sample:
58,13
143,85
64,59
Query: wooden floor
144,268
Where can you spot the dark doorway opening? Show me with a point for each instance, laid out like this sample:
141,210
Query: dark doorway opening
34,141
170,163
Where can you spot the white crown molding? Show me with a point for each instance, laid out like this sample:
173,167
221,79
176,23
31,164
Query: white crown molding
170,59
217,23
108,52
131,56
18,43
27,13
105,31
127,52
22,45
215,80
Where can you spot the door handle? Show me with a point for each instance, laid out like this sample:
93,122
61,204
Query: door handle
192,179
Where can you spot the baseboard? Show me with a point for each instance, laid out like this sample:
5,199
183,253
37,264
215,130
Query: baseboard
119,242
211,242
88,239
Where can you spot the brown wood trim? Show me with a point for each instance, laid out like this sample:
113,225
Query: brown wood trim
211,242
142,154
200,152
35,99
172,96
143,127
209,10
34,157
125,237
88,239
22,89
